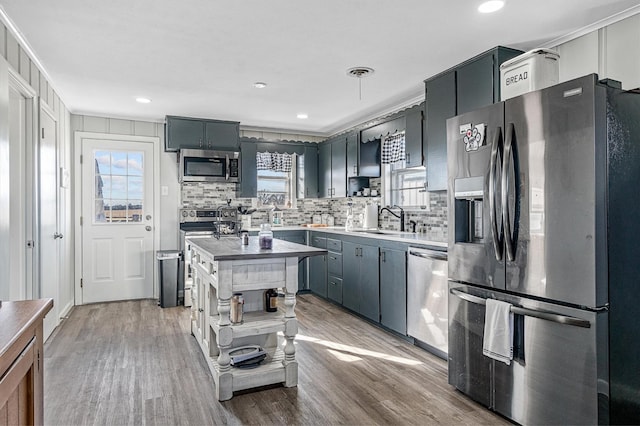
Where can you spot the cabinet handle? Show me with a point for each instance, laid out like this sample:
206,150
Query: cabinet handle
408,155
355,169
382,254
200,142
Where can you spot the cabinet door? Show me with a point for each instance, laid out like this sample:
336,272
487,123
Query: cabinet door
324,170
413,139
351,276
339,168
475,85
311,172
298,237
334,289
222,135
369,159
318,275
249,178
184,133
393,289
318,266
352,155
369,282
440,105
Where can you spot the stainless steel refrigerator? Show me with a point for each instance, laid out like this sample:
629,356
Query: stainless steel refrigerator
544,214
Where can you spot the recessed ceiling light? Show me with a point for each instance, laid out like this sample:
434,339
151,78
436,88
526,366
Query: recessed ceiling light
490,6
302,116
259,85
143,100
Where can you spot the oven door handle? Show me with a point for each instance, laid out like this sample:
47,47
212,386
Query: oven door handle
534,313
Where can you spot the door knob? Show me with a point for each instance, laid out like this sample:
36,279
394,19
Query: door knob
148,228
57,235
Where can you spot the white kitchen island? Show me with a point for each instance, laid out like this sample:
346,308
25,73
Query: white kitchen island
222,267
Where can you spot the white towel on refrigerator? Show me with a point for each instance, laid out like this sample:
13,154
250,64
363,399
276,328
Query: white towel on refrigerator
498,331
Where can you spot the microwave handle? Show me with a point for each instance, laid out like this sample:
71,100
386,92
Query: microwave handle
227,166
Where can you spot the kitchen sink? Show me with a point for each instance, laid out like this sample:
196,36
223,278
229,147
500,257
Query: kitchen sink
377,231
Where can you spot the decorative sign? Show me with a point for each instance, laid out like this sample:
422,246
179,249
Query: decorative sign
473,136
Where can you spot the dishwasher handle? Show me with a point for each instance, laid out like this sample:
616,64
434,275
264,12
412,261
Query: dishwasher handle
428,254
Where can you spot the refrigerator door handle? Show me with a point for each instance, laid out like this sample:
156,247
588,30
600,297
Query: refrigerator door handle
544,315
496,150
510,154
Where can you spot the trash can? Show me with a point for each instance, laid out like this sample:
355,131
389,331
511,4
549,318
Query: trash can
169,267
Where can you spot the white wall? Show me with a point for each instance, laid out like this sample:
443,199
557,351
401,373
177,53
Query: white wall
19,61
610,52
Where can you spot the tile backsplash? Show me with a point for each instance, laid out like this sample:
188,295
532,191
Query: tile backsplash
432,221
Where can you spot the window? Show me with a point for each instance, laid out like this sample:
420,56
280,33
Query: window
401,186
277,187
118,186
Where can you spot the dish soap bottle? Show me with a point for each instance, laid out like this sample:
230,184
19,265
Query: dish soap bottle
271,300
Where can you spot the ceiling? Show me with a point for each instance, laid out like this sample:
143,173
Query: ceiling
200,58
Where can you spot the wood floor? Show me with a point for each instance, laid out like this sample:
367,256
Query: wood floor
135,363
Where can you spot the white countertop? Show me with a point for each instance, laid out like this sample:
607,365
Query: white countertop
403,237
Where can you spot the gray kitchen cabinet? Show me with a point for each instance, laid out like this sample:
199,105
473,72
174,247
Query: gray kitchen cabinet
334,289
441,105
318,266
249,178
222,134
352,154
194,133
334,269
332,168
360,280
413,137
310,172
465,87
183,133
363,156
324,170
298,237
339,168
393,289
474,85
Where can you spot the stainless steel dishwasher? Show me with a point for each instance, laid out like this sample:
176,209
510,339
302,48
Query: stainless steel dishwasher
427,305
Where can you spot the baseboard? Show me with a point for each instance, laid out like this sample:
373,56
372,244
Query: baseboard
64,313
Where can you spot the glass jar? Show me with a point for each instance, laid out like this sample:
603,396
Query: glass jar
265,236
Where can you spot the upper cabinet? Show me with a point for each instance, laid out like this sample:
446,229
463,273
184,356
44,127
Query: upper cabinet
441,104
466,87
413,136
332,168
193,133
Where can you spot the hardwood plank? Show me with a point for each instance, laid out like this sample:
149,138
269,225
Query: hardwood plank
135,363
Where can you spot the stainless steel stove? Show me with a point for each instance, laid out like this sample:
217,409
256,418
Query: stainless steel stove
203,223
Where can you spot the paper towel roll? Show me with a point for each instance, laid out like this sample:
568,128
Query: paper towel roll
370,216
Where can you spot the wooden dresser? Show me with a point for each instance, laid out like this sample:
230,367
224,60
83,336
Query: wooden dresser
22,361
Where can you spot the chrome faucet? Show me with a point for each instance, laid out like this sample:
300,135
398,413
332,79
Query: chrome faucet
399,216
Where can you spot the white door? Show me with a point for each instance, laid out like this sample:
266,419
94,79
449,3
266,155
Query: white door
117,220
48,218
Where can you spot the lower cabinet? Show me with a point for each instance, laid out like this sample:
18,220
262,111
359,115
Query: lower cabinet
318,266
360,286
298,237
334,289
393,289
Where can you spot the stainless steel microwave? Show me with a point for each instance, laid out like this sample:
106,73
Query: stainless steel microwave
197,165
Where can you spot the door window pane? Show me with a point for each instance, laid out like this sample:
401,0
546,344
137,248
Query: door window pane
119,187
